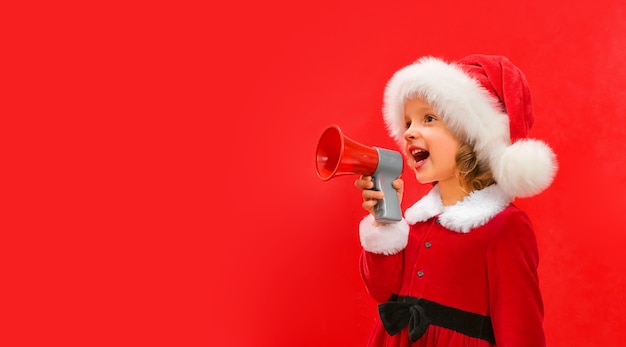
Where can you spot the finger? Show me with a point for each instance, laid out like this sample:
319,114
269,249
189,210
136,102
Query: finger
365,182
373,195
369,205
398,184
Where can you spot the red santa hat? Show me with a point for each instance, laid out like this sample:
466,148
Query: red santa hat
485,100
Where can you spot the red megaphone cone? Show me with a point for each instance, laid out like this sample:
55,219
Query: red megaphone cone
338,154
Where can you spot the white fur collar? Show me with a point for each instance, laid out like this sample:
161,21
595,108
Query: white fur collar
473,211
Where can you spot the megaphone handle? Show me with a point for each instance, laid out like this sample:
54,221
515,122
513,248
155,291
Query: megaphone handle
387,210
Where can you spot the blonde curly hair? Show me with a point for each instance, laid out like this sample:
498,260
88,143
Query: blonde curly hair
472,175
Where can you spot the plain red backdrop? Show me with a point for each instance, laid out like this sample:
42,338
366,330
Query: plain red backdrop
159,159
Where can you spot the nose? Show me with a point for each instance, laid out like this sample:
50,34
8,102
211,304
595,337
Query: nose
411,133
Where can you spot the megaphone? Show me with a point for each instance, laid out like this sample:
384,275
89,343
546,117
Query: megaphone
338,154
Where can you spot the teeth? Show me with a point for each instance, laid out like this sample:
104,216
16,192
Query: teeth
415,151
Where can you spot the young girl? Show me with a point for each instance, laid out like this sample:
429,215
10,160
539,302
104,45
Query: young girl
460,269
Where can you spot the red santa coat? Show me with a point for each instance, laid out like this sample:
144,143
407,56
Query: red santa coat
479,255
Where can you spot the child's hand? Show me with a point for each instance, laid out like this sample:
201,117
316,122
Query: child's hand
371,197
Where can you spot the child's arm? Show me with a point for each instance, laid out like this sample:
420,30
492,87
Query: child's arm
381,274
515,298
381,258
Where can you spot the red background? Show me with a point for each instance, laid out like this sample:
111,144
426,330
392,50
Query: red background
159,159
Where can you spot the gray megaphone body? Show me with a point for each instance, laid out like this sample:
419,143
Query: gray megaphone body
338,154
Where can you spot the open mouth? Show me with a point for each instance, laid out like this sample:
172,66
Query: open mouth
419,154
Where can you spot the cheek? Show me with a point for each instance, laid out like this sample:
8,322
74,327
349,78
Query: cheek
447,150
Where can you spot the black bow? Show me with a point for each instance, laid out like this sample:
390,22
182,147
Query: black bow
396,315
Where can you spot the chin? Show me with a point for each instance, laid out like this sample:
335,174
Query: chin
422,179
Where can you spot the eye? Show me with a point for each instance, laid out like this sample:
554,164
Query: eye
407,124
429,118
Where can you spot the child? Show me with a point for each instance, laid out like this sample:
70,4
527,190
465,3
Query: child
460,269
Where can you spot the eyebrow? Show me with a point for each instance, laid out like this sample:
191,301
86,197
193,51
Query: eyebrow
427,110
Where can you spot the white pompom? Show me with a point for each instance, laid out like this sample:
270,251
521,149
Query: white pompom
526,168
